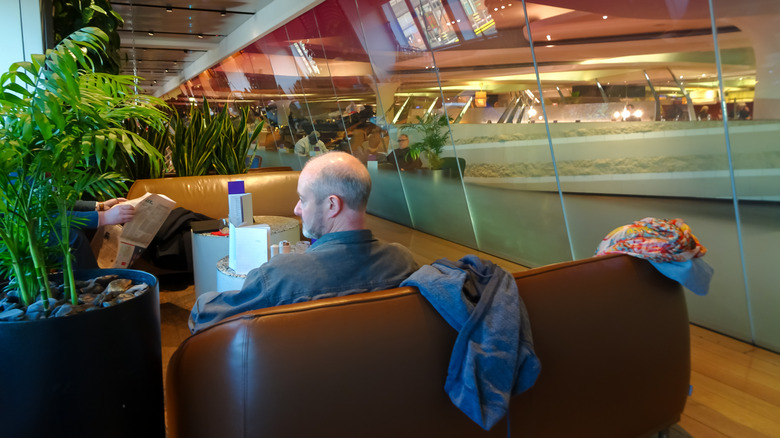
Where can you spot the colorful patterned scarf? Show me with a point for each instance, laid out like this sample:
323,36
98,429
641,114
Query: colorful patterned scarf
653,239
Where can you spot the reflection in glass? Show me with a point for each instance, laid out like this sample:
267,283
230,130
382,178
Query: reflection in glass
635,134
632,119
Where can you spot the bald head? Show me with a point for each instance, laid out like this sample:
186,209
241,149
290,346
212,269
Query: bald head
340,174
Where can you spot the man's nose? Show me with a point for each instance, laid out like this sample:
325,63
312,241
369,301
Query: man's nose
297,209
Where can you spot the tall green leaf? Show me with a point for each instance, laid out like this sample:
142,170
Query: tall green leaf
194,142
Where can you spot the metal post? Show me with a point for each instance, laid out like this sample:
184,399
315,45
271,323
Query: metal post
603,93
655,96
691,111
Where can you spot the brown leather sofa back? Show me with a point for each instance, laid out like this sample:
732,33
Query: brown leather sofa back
273,193
611,333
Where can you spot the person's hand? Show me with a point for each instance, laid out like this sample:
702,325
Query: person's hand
110,203
118,214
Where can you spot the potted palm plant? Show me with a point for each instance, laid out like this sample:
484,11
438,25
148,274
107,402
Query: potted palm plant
433,129
135,166
94,373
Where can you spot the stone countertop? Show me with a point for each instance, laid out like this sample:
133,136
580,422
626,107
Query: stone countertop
278,224
223,267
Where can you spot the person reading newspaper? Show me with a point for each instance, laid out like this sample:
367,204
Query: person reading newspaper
94,214
128,227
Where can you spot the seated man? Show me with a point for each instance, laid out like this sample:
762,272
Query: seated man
310,143
401,157
345,259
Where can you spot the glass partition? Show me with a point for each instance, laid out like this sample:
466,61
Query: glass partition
751,86
262,90
370,129
409,102
287,110
498,134
636,135
560,121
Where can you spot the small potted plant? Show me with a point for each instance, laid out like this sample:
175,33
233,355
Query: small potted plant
434,132
94,373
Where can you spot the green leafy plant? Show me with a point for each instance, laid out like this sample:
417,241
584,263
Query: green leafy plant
72,15
135,166
194,141
230,156
434,132
60,130
206,142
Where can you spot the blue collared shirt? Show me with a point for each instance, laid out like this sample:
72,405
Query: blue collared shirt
337,264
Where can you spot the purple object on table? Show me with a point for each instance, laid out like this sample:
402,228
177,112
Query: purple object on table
235,187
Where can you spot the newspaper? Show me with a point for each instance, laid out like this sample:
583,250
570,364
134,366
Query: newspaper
118,246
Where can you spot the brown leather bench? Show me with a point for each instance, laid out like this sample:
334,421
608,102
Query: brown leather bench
274,193
611,333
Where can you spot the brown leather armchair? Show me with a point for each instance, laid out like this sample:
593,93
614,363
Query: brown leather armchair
611,333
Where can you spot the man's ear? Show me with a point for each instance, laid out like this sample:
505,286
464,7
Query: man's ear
334,205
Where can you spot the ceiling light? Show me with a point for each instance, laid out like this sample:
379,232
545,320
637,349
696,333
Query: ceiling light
223,13
200,35
169,9
151,33
604,17
549,38
503,7
166,70
495,9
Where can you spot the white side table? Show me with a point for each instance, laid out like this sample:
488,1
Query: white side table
208,249
227,278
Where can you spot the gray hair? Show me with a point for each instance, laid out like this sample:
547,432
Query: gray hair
350,183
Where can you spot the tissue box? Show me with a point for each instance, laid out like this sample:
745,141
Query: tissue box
248,247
